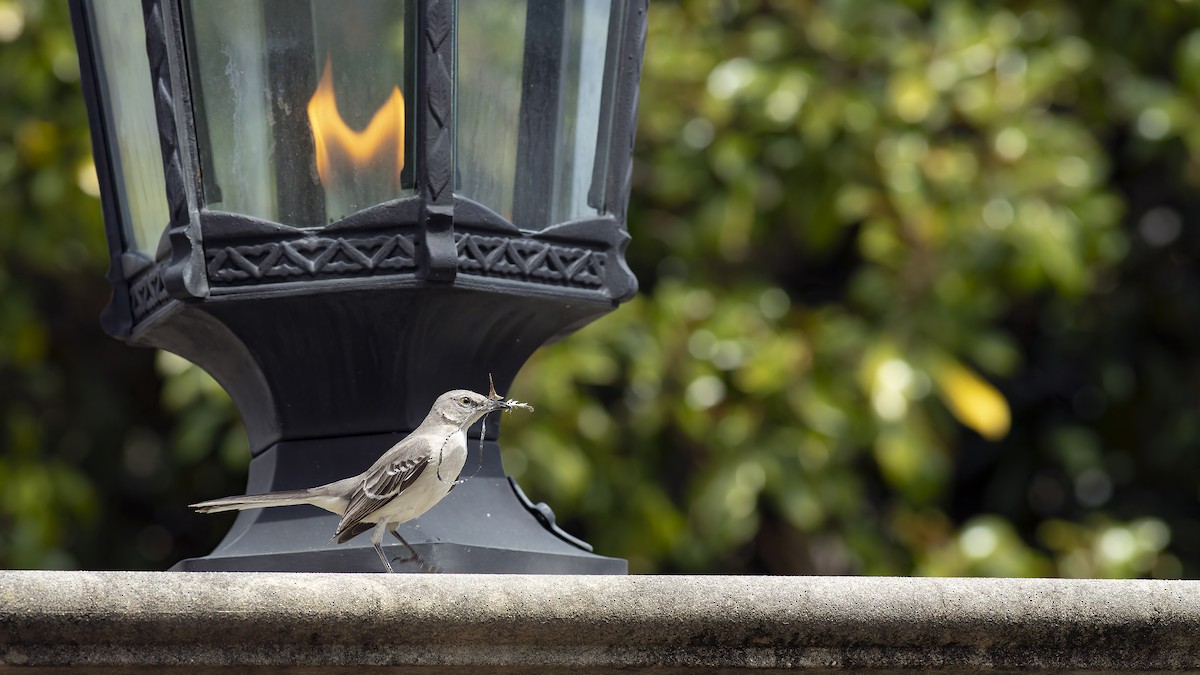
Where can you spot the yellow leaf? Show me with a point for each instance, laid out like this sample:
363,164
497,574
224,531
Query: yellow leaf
974,401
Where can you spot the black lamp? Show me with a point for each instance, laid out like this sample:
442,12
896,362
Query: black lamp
342,209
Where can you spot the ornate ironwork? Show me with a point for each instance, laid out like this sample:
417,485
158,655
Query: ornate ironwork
435,154
164,107
148,292
183,277
310,257
520,258
529,260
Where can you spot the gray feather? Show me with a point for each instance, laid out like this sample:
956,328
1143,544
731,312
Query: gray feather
283,498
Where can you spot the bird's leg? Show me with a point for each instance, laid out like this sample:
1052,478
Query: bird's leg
395,530
413,557
377,542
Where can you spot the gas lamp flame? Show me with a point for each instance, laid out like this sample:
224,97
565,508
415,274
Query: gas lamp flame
343,153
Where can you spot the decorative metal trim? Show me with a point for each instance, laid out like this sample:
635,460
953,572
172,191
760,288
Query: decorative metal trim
520,258
311,257
148,292
435,151
164,107
439,98
530,260
117,317
183,276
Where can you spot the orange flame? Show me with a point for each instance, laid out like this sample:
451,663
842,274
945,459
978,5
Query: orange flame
350,150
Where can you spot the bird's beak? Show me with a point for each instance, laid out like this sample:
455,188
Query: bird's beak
498,404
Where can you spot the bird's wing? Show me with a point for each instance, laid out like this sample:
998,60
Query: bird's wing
387,478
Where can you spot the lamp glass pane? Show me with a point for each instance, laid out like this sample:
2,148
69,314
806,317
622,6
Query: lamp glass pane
491,40
584,67
127,97
533,108
301,107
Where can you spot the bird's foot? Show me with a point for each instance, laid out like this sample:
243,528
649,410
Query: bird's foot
428,568
413,557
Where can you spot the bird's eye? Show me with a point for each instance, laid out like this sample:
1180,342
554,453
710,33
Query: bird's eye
465,401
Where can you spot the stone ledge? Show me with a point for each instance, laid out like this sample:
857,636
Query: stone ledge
317,623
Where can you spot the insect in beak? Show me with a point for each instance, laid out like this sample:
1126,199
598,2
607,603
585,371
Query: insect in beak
499,400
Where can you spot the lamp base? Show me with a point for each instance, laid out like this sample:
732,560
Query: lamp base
485,525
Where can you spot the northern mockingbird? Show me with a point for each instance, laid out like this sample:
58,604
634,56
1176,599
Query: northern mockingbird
403,483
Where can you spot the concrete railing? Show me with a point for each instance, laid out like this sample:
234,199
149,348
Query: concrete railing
313,623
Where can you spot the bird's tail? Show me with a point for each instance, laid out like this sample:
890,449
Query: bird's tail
284,498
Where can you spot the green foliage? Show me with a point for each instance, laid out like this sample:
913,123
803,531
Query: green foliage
44,154
918,298
858,225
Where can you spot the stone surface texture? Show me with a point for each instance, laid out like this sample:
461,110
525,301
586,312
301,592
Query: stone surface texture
116,622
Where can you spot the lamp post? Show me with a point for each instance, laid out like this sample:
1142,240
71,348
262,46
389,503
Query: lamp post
342,209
